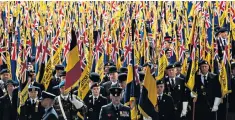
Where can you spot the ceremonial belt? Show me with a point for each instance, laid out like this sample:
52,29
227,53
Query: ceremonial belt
61,108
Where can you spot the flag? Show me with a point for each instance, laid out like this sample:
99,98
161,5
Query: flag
148,99
73,68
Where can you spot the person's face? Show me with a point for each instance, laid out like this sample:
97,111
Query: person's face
160,88
33,94
115,99
224,35
178,70
33,75
171,72
168,54
106,69
6,76
113,76
123,84
233,71
95,91
204,68
46,102
167,44
62,77
58,72
10,88
62,91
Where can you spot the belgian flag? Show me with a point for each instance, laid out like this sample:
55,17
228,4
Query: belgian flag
73,67
148,99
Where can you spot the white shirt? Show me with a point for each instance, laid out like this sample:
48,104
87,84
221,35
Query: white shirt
33,101
202,77
160,96
64,97
114,83
10,98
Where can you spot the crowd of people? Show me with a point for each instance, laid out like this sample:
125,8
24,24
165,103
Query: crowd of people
105,99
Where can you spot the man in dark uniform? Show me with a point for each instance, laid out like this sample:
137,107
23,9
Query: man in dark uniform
175,87
165,105
231,110
6,106
47,101
115,110
178,66
55,80
95,102
32,109
66,107
113,76
5,75
208,90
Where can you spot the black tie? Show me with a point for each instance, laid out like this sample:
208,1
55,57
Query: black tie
172,82
33,101
95,100
117,108
159,98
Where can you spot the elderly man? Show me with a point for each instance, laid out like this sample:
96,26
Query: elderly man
115,110
47,101
208,89
5,75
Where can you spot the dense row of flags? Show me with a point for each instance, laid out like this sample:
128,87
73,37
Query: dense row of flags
103,31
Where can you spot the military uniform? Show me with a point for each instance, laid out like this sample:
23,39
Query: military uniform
94,103
66,107
109,112
165,105
6,106
115,111
208,91
32,109
94,106
50,113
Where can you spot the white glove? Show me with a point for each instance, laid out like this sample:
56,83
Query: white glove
193,95
184,110
145,118
78,104
216,104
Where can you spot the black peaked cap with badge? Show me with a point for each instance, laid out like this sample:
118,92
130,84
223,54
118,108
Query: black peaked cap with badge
170,66
47,95
95,84
115,91
4,71
33,88
203,62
